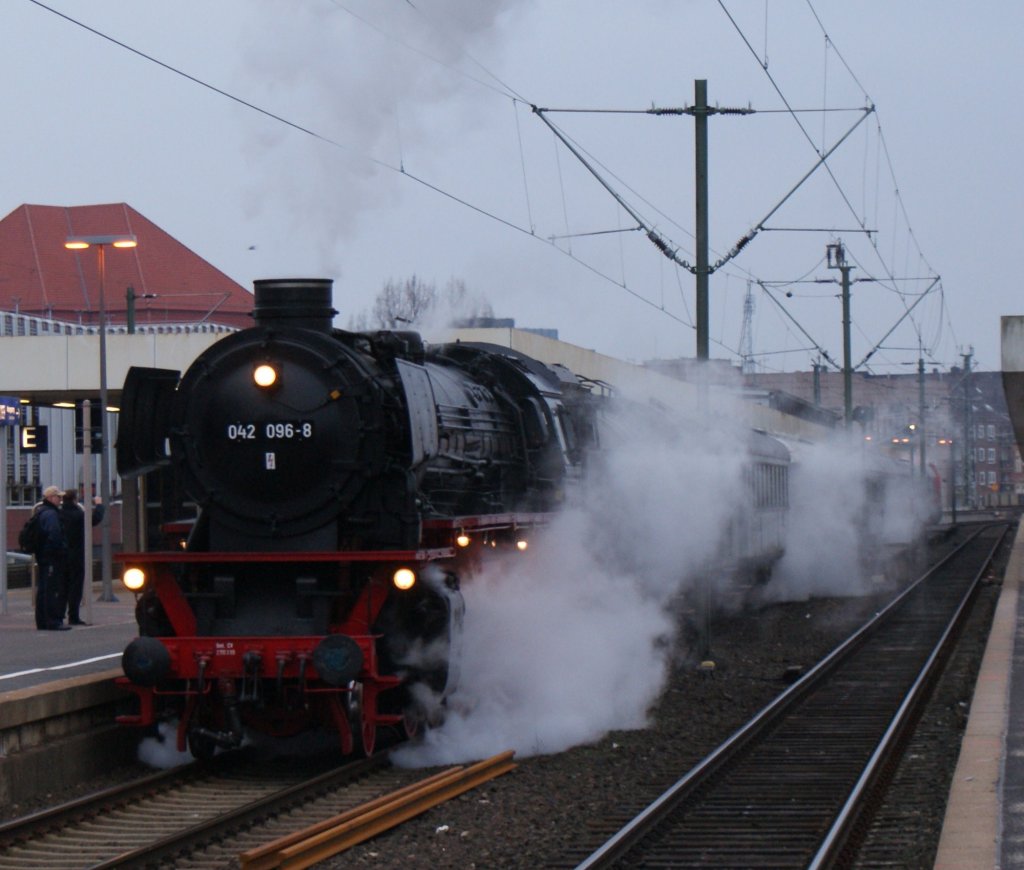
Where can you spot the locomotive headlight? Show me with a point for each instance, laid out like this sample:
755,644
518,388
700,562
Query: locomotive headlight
462,539
134,579
264,375
522,544
404,579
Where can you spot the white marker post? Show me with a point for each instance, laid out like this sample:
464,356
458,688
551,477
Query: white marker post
3,516
87,505
10,415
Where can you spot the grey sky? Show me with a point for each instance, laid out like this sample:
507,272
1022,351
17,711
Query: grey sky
427,86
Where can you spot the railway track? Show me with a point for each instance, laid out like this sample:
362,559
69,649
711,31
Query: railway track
167,817
263,815
797,785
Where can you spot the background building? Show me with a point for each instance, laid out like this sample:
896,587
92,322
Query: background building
958,418
159,288
160,282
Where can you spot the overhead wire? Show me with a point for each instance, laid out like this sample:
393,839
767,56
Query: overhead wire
522,163
203,84
400,169
830,45
503,89
561,190
328,140
597,162
789,108
837,52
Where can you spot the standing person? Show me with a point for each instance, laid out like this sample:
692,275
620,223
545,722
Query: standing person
73,518
52,557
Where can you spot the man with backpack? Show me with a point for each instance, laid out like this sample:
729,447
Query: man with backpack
51,552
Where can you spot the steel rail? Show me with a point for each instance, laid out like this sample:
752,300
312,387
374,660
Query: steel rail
25,827
331,836
902,723
170,846
616,847
104,821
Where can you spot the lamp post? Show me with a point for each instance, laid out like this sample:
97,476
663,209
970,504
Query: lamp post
101,243
952,476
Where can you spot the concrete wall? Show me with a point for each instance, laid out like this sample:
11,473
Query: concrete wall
61,735
45,368
1012,352
1012,338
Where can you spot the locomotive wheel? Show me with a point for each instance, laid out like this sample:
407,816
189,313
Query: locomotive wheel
202,747
362,720
369,736
413,720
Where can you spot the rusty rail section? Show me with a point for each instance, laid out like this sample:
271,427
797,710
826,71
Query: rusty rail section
331,836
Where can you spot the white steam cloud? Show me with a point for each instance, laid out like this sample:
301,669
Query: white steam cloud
376,82
162,750
827,498
576,640
850,511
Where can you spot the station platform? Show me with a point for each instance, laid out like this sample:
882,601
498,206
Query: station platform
58,699
984,824
29,657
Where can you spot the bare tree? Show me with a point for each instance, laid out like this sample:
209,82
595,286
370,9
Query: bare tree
399,306
465,305
413,303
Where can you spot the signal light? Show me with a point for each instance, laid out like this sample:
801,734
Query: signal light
404,578
264,375
134,579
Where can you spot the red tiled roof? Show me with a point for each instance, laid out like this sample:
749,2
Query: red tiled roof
39,276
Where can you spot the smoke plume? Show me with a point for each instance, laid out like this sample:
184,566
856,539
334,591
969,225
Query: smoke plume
575,637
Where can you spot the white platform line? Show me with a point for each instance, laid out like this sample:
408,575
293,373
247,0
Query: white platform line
60,667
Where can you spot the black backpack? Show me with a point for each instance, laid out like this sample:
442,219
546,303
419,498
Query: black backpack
31,535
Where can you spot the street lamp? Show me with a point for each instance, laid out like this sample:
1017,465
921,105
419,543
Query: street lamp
101,243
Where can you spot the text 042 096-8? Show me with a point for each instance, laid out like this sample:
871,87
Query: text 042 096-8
287,430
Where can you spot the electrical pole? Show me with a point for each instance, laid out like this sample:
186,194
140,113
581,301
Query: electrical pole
130,298
700,127
747,334
921,409
702,269
968,431
837,260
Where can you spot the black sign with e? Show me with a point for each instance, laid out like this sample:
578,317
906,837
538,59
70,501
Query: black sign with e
35,439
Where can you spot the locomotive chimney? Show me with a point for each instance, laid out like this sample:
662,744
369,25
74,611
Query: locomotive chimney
304,302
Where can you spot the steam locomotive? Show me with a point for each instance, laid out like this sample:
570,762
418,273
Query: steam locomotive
343,484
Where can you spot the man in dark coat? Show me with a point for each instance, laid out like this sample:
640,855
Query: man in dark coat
73,517
52,559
